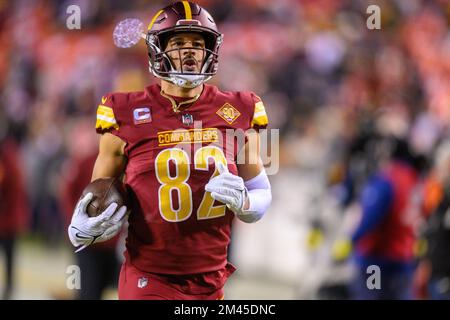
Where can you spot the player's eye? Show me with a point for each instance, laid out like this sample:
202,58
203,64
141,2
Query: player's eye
197,44
178,43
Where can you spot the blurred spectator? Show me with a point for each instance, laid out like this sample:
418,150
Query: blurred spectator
14,213
385,236
99,264
434,269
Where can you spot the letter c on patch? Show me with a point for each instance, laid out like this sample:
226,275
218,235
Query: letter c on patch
142,115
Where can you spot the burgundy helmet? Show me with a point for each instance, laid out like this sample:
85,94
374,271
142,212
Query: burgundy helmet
182,16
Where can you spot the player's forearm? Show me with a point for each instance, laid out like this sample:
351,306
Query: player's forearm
259,198
111,160
108,166
259,194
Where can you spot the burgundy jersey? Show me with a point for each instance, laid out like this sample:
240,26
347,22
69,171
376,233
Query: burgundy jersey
175,226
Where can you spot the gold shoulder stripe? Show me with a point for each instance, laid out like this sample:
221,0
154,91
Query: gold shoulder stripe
105,125
259,106
260,121
260,116
105,118
104,110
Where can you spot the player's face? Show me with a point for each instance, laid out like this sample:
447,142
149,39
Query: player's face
188,55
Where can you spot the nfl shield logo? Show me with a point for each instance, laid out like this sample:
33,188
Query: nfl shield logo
142,282
187,119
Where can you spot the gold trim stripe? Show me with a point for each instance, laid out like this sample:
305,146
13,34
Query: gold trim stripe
106,118
154,19
107,111
259,116
261,120
104,125
187,9
259,106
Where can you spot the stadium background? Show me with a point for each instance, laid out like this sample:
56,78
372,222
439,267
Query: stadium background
326,80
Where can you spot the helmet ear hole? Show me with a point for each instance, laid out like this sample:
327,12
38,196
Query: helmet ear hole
210,41
168,65
164,40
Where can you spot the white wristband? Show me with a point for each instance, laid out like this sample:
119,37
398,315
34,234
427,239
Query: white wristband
259,196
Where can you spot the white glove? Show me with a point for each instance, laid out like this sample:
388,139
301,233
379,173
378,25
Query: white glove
84,230
228,189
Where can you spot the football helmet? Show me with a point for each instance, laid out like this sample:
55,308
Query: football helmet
179,17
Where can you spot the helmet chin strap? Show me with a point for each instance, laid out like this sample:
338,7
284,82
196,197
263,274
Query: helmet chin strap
189,81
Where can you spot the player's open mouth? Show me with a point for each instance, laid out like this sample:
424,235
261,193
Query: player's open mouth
189,64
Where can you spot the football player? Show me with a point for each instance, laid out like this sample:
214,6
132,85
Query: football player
186,186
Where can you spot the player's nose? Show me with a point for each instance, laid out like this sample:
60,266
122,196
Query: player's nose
189,51
189,48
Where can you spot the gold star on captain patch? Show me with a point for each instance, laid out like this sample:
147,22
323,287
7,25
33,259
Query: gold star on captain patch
228,113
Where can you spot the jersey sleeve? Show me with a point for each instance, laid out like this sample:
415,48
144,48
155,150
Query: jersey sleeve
259,117
106,115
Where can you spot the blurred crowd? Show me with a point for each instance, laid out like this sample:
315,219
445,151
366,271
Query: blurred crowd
361,109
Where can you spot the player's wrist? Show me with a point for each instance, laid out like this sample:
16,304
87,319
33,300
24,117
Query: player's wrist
244,204
257,199
246,201
78,237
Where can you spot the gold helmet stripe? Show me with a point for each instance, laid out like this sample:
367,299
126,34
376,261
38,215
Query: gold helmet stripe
154,19
187,10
